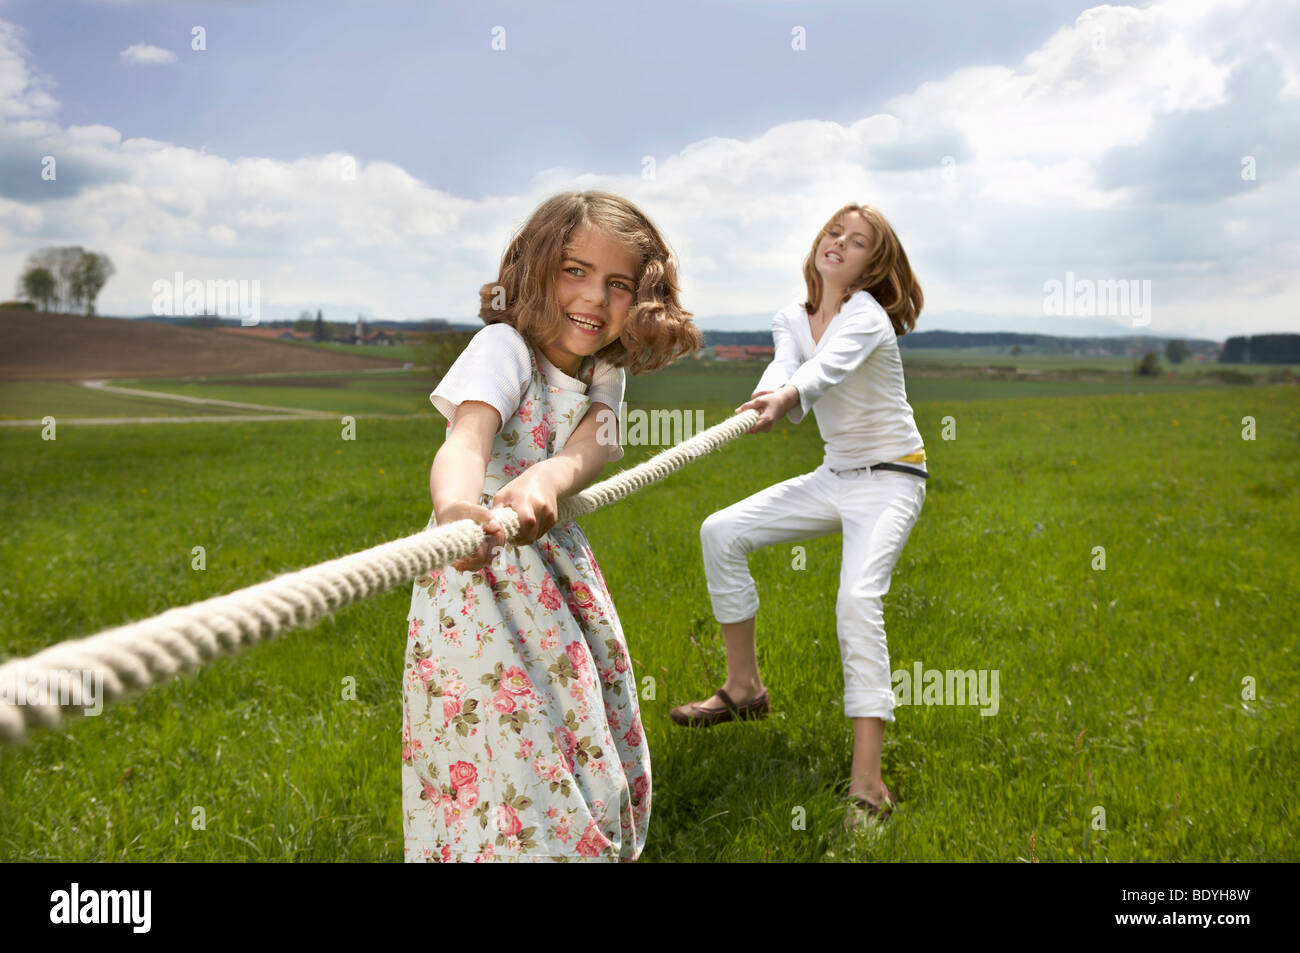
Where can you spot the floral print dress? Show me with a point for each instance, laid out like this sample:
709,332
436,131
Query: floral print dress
521,734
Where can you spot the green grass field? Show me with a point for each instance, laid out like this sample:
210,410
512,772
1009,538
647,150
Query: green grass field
397,392
1119,689
32,400
688,383
395,352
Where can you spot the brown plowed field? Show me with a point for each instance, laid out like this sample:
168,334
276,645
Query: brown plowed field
56,347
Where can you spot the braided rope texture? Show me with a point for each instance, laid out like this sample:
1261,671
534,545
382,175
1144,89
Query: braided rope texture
135,656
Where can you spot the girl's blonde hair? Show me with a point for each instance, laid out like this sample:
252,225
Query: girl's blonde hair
657,330
888,276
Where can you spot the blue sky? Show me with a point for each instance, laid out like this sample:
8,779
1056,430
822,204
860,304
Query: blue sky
1009,143
416,84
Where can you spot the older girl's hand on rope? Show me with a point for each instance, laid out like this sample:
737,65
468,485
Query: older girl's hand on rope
534,499
771,406
496,533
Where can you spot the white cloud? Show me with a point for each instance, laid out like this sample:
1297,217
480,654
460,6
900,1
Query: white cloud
143,54
1032,189
23,93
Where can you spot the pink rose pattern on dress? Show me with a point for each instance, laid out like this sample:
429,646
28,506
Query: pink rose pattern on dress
521,731
550,594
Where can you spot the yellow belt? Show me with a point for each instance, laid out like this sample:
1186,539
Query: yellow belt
918,457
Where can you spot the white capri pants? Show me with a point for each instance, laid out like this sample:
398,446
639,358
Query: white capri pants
874,511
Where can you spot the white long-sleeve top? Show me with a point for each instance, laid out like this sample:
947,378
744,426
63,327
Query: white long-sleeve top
852,378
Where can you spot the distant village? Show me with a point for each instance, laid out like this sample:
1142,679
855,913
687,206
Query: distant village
349,334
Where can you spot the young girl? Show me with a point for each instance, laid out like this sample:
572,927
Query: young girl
838,351
522,736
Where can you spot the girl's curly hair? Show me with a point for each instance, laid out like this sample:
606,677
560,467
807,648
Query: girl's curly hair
657,330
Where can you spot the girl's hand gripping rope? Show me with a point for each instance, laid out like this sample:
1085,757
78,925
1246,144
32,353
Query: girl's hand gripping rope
771,406
496,533
533,498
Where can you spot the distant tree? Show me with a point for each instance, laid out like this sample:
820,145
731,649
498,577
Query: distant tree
66,261
438,350
88,278
37,284
1176,351
78,276
321,331
304,323
59,262
1149,366
1016,351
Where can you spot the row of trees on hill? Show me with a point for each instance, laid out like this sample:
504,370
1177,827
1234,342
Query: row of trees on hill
1052,344
64,279
1261,349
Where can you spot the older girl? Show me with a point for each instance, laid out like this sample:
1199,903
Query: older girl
837,353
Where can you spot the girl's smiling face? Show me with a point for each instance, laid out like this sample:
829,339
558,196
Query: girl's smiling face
842,253
595,287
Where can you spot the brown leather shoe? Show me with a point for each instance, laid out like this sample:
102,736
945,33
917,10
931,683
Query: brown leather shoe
694,714
862,813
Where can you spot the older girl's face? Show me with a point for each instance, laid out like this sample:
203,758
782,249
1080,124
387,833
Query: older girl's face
843,250
595,288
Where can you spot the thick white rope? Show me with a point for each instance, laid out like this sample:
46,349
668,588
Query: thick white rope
145,653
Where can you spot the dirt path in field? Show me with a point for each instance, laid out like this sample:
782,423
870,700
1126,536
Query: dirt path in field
110,421
273,413
210,401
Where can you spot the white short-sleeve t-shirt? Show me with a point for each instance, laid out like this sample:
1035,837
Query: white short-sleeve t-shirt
494,368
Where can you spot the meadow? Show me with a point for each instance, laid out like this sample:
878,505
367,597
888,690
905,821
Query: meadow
33,400
1155,695
933,375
